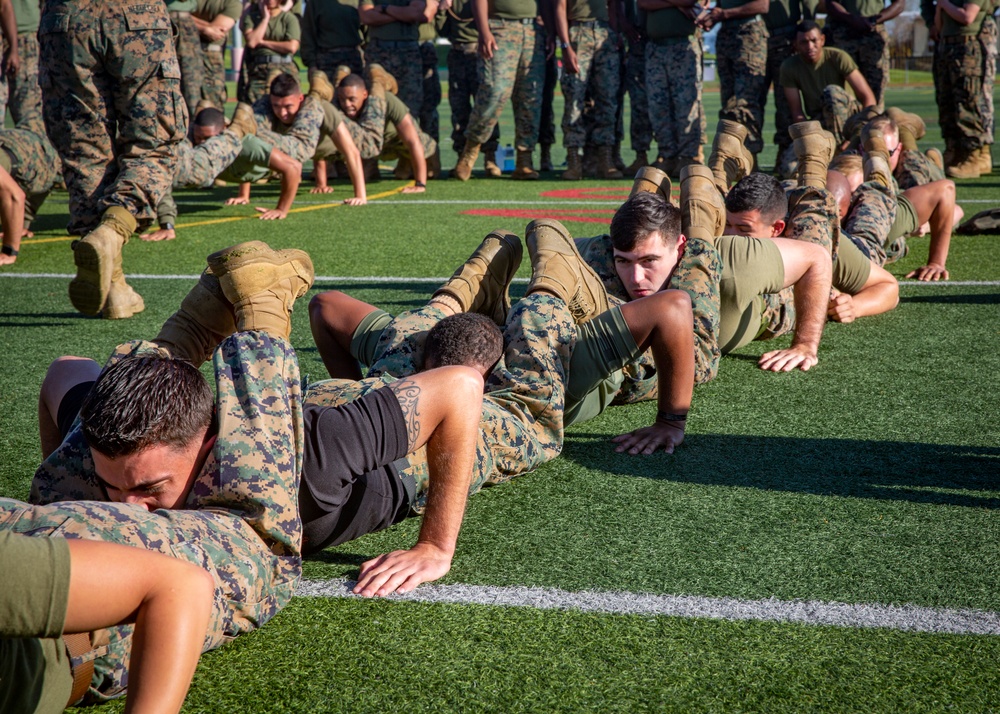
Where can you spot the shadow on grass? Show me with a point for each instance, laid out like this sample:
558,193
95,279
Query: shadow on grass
889,470
982,299
333,557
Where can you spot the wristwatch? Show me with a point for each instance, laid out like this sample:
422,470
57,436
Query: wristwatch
167,226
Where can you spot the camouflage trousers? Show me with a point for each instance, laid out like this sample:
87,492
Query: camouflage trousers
988,38
673,85
253,83
517,71
20,93
463,83
298,139
397,148
190,57
367,130
240,521
779,48
915,169
870,52
34,165
959,69
329,60
430,121
213,72
112,103
640,130
198,166
547,120
839,106
741,57
597,51
869,219
521,424
406,65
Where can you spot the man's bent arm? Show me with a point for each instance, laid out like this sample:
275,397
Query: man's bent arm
879,294
352,159
291,175
408,133
11,214
861,89
794,104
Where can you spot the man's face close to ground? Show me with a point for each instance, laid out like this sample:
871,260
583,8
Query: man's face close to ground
809,45
201,134
156,477
286,108
751,223
351,100
646,268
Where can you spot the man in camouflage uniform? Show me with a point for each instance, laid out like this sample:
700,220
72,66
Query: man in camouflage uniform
214,19
673,84
592,65
858,28
288,119
19,91
271,36
393,42
640,129
428,115
114,112
512,62
189,55
741,60
331,36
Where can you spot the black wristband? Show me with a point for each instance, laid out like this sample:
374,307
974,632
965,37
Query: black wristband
420,184
167,226
8,250
667,416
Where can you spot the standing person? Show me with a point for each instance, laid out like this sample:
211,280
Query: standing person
428,114
674,81
188,44
214,19
394,43
19,85
858,28
640,130
114,111
29,167
512,61
272,38
331,36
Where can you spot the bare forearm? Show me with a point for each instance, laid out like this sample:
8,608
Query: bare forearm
876,299
812,293
285,47
12,218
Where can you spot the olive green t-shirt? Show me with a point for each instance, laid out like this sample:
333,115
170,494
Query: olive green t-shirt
329,24
251,164
459,27
863,8
208,10
783,14
851,269
281,28
182,6
833,67
394,31
395,112
332,118
950,28
751,267
27,13
669,23
588,10
512,9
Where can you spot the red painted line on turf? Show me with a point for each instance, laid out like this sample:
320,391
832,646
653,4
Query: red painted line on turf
569,215
602,193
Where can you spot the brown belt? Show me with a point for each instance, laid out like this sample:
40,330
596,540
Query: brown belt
77,646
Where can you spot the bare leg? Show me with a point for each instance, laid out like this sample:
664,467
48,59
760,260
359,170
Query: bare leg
333,317
63,374
934,203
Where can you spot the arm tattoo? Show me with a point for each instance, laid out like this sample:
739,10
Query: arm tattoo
408,393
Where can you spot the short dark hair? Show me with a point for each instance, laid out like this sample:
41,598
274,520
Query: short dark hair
285,85
210,117
143,401
466,338
642,214
807,26
353,80
758,192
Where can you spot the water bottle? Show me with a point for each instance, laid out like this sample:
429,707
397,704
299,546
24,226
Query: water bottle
508,159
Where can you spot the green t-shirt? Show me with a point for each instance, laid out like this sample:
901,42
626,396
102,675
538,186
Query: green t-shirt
395,112
329,24
426,32
833,67
786,14
208,10
459,28
751,267
182,6
332,118
27,13
512,9
863,8
281,28
851,269
950,28
394,31
587,10
669,23
251,164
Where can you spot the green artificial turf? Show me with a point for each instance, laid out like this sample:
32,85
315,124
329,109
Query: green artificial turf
870,479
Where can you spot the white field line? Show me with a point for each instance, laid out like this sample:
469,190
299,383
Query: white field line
907,618
437,281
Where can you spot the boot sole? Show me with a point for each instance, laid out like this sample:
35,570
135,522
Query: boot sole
123,313
572,250
243,273
89,289
237,256
983,222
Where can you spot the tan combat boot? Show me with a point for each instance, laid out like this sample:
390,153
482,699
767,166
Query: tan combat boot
204,319
558,268
574,165
967,167
262,285
703,212
377,74
814,148
985,160
203,104
96,255
909,124
123,301
522,167
319,85
339,73
876,164
641,161
934,154
463,169
482,283
650,180
490,164
730,159
243,123
545,162
606,168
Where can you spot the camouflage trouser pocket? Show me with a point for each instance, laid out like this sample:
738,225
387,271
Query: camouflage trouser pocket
52,32
171,109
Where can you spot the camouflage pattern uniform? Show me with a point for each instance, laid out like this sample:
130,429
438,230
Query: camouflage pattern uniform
781,19
430,121
741,58
20,93
367,129
297,139
839,105
988,38
547,118
640,129
463,74
872,212
113,108
673,83
198,167
516,70
331,36
915,169
258,62
240,522
33,163
213,54
870,50
188,52
597,51
396,47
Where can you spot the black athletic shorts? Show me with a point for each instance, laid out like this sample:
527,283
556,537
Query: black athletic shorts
70,405
350,478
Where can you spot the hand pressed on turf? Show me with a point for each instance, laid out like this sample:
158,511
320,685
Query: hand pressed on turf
801,357
649,439
402,570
